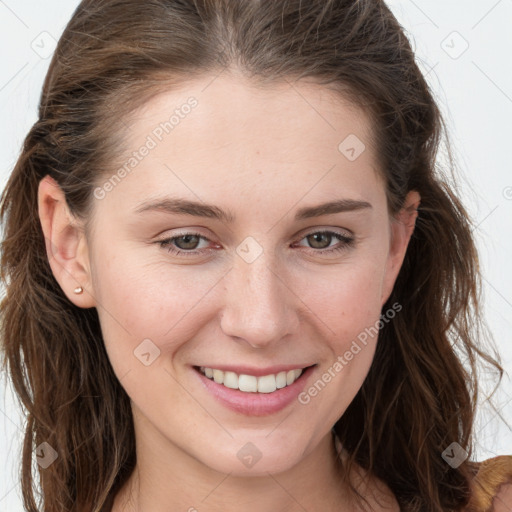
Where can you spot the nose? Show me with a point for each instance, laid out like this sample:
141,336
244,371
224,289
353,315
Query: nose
259,304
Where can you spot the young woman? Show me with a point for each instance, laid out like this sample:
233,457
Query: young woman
236,279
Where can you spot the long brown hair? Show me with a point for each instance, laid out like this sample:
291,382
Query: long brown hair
421,391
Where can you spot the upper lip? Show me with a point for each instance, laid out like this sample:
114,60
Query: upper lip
257,372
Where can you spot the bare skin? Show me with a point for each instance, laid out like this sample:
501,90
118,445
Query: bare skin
262,155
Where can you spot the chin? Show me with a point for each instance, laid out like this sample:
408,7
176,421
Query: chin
249,461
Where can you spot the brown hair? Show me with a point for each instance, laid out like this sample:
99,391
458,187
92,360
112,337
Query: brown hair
419,395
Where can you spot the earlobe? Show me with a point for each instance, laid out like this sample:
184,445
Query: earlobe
402,228
66,245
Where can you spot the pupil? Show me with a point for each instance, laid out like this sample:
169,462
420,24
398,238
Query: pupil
187,239
319,235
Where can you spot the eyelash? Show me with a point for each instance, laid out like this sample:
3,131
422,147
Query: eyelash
347,243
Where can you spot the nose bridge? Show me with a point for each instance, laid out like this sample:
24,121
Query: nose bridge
258,305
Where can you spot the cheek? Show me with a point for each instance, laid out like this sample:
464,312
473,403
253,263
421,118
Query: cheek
139,302
346,298
348,306
350,310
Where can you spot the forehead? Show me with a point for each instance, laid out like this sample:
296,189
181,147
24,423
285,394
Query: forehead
231,105
224,136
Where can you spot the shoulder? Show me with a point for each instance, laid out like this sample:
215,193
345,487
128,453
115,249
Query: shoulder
491,489
503,500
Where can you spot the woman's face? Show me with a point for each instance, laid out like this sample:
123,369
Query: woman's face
256,289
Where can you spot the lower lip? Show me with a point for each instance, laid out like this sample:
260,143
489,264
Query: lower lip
255,404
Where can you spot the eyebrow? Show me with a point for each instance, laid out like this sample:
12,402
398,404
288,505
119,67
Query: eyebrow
199,209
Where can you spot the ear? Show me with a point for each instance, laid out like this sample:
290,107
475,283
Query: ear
66,244
402,227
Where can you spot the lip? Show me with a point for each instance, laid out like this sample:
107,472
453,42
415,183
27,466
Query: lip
255,404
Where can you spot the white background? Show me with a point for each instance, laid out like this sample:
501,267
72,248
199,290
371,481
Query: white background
473,88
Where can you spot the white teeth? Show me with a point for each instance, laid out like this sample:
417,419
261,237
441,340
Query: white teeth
230,380
250,383
281,380
267,384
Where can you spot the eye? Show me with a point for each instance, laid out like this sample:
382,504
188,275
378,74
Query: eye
187,243
318,238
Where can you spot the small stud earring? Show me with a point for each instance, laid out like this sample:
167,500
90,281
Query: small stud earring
79,290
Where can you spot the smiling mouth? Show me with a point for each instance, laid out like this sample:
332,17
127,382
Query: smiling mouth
250,383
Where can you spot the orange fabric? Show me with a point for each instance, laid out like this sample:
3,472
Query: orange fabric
492,486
